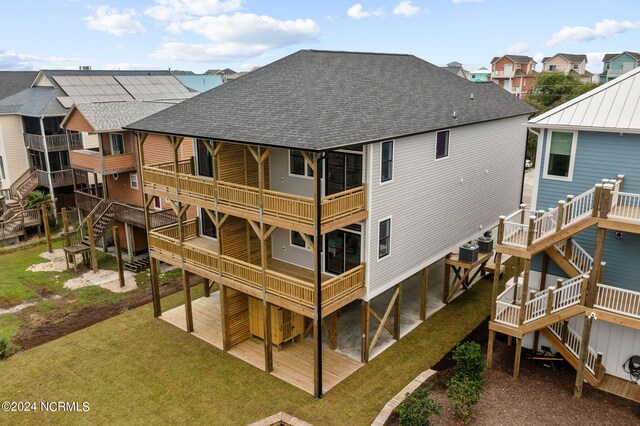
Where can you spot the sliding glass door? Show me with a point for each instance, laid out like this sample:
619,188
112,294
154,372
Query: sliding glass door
342,251
344,171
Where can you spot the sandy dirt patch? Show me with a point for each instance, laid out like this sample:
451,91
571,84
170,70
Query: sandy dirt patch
55,262
105,279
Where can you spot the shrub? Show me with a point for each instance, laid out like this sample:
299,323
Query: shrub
417,408
464,392
4,349
469,360
35,199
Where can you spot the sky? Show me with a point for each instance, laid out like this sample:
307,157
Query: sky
198,35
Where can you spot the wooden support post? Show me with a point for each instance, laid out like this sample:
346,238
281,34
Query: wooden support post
584,346
224,315
333,330
206,289
492,338
423,294
365,331
186,287
525,288
565,331
597,194
67,237
268,348
116,241
447,280
550,300
560,217
396,313
496,283
92,244
516,362
155,287
601,272
47,230
24,228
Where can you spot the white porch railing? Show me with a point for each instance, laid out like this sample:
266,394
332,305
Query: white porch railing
618,300
578,207
568,294
545,224
573,342
507,314
536,307
625,206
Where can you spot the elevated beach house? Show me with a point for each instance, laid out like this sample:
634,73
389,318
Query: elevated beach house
578,244
323,181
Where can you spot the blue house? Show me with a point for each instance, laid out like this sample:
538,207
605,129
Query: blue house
616,64
578,245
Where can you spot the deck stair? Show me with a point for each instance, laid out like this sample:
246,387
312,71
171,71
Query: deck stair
101,225
568,342
138,265
17,221
26,183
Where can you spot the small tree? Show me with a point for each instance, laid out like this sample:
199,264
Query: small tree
417,408
36,199
470,361
466,385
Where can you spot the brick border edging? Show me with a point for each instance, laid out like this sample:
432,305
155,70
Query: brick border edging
281,417
397,400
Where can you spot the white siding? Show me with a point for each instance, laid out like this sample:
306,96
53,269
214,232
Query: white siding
90,140
12,150
436,205
282,249
281,180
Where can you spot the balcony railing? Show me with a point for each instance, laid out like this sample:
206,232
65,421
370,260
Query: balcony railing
165,245
127,213
285,209
58,178
503,74
91,161
61,142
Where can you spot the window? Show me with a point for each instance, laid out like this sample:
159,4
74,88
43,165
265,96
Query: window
298,165
442,144
208,228
157,203
297,240
384,238
2,175
553,67
386,161
559,153
117,143
204,159
133,178
576,66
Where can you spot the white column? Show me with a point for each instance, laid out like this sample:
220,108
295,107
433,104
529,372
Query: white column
46,160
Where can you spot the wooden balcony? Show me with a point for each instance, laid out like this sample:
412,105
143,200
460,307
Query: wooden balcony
286,285
280,209
58,178
126,213
91,161
61,142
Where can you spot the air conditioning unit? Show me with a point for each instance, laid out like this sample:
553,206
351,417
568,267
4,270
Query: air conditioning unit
468,252
485,243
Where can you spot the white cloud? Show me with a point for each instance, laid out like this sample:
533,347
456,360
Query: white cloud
169,10
250,29
467,1
178,51
602,29
538,57
127,66
114,21
518,48
10,60
357,12
406,8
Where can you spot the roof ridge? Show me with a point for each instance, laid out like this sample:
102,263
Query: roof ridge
358,52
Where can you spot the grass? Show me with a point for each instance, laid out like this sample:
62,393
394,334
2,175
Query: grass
135,367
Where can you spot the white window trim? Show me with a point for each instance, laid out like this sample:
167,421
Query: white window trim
124,146
306,246
159,203
306,166
393,162
131,176
435,146
572,160
388,255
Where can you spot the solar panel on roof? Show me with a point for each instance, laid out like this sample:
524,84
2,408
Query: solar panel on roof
154,87
92,88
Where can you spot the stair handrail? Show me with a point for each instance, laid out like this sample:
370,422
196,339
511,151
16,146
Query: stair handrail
74,233
14,189
578,257
569,292
578,207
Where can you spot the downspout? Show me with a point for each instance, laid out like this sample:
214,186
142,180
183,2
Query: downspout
318,242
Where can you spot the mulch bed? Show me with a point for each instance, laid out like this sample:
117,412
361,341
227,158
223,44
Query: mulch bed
60,325
539,396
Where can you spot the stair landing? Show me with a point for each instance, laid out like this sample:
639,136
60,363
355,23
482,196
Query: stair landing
621,387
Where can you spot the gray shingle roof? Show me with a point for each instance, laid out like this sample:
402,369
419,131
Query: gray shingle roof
104,116
518,59
12,82
34,101
320,100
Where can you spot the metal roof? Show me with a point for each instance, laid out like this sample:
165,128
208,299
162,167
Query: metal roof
321,100
611,107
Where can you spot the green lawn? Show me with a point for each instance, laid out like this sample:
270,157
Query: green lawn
136,369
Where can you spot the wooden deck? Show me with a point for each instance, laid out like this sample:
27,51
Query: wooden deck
293,363
623,388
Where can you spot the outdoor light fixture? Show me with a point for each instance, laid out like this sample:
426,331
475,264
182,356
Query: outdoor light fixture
618,235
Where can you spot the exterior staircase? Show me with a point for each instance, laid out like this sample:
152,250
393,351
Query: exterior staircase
26,183
100,226
138,265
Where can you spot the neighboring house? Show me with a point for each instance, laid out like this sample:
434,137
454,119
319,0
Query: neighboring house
457,69
199,82
569,64
33,137
514,73
616,64
321,198
113,188
580,239
12,159
479,75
